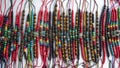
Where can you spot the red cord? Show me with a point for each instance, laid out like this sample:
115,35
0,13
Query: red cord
37,45
116,27
19,5
45,49
44,54
81,31
73,48
114,19
1,19
103,37
60,53
10,12
58,14
13,54
46,16
73,24
16,52
18,20
40,14
6,52
18,14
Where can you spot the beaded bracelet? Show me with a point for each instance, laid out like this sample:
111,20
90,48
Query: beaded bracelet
84,36
55,19
22,41
62,36
119,17
114,38
93,39
76,38
81,36
97,38
51,55
107,29
103,42
70,48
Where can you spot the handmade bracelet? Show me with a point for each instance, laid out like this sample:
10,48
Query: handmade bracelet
51,55
22,37
65,37
55,29
1,40
113,29
97,38
91,35
81,36
84,38
76,38
93,39
62,35
103,42
5,51
88,35
100,31
119,18
70,33
58,35
107,29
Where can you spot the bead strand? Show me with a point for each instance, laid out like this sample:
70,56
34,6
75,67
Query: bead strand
22,41
77,43
97,37
87,34
84,36
70,20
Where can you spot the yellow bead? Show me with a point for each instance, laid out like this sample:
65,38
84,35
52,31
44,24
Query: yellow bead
103,38
6,28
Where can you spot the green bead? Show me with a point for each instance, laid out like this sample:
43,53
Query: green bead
94,33
5,43
8,36
73,36
34,38
76,35
119,12
28,45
